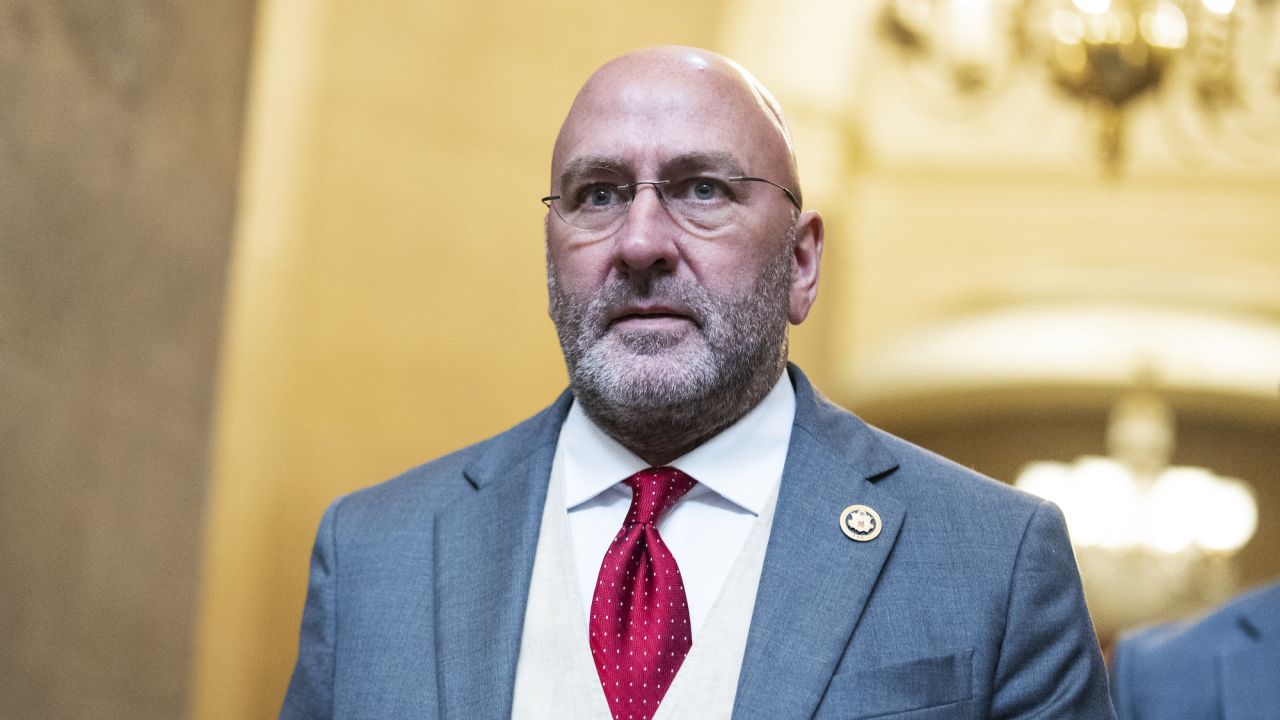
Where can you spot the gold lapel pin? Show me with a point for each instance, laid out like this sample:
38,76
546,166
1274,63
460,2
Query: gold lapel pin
860,522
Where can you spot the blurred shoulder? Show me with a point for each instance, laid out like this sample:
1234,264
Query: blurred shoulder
1242,619
1172,671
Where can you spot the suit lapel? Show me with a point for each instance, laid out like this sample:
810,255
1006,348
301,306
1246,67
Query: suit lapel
484,550
816,581
1247,672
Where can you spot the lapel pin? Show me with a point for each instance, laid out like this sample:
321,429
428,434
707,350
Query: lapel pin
860,523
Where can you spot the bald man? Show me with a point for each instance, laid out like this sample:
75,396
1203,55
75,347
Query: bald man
690,530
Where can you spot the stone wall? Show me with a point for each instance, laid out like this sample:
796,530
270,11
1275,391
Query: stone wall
119,147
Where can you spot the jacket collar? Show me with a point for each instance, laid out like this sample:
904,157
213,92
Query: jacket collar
1246,670
1259,616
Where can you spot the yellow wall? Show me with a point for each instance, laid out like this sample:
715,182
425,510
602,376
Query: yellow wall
387,298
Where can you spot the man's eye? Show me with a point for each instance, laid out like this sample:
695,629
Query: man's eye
706,190
600,196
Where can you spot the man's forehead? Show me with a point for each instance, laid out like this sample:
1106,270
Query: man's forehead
687,103
642,135
654,116
664,165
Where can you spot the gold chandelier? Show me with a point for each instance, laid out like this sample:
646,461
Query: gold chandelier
1219,59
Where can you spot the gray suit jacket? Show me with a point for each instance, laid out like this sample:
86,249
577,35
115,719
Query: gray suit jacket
1226,666
968,604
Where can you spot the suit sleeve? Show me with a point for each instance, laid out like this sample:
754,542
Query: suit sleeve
1122,678
310,694
1050,665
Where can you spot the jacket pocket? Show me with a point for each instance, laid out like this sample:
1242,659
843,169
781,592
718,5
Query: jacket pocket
889,690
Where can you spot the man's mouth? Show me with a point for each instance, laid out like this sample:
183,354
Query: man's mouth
655,317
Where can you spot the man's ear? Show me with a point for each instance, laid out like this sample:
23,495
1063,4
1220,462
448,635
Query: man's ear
808,258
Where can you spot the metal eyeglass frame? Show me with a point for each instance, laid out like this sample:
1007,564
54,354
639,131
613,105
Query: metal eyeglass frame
656,183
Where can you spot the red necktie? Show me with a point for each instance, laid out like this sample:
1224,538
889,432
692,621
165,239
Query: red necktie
639,616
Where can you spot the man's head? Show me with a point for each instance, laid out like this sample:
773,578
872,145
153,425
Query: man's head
671,297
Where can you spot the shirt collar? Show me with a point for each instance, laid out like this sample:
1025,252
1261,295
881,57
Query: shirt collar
741,464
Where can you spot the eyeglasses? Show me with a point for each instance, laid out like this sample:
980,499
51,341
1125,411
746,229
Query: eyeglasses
700,204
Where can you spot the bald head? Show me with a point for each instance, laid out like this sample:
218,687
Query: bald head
671,299
665,101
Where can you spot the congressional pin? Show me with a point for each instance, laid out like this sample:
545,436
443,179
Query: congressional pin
860,523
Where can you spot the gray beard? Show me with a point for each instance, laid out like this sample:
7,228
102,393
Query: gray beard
663,394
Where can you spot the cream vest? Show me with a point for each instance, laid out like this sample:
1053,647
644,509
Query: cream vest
555,675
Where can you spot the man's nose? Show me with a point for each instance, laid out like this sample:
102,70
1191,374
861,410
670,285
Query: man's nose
647,238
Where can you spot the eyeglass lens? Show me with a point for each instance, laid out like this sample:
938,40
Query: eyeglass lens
700,203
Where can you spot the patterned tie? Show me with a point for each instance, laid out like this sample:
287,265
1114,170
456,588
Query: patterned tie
639,619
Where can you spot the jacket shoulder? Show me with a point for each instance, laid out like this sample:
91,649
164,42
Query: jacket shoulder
942,497
1204,634
1171,670
437,483
918,476
923,474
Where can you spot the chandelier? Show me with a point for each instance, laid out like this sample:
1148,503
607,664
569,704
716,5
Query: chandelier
1213,64
1151,537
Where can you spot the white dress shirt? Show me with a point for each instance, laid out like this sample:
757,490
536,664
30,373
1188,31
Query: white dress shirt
736,472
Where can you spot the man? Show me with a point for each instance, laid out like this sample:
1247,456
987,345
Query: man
1225,665
691,531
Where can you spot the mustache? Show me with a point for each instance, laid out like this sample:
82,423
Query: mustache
623,293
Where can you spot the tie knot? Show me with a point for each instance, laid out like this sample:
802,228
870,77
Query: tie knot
654,491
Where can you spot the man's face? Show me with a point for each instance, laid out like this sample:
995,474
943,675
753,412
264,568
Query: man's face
655,313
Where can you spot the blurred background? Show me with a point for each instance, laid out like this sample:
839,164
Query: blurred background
255,255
